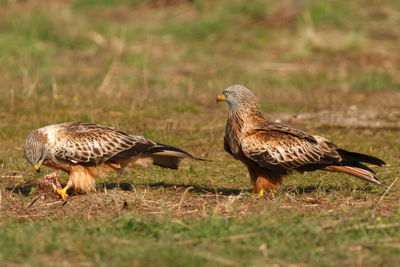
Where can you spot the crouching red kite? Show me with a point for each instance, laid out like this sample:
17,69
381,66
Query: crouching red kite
86,150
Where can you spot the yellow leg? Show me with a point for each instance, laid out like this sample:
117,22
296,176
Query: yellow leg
63,192
261,193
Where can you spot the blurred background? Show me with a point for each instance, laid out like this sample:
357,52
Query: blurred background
154,67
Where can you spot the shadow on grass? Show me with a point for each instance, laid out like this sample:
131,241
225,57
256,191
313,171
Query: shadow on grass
27,189
299,190
22,189
196,189
302,190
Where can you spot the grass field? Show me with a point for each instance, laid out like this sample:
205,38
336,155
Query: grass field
154,68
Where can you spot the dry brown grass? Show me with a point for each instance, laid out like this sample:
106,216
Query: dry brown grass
162,200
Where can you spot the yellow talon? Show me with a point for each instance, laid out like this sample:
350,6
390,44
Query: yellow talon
62,192
261,193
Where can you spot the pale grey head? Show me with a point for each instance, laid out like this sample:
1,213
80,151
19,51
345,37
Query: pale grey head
35,149
237,95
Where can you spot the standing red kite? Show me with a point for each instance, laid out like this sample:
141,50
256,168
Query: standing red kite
271,150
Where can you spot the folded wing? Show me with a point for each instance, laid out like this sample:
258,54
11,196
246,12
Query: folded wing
92,143
282,150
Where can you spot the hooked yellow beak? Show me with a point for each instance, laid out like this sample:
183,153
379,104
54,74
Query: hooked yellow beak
221,97
37,167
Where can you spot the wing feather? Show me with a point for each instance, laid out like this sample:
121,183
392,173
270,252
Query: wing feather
93,143
265,125
285,150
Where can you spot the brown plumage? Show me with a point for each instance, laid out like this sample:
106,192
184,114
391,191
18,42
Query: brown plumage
87,150
271,150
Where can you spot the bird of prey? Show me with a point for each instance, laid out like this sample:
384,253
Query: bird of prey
271,150
87,150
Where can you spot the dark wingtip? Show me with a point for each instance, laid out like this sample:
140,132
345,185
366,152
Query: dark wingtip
347,155
161,147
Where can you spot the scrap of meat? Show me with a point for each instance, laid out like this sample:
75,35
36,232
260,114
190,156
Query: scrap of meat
48,185
47,188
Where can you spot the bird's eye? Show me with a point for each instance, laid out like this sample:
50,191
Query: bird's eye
226,93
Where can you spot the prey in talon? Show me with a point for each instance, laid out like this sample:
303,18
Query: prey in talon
48,188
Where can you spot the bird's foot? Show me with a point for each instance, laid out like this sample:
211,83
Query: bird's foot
258,193
261,193
62,192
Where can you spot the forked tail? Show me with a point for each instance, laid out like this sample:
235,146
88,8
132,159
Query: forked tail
357,172
167,156
365,174
352,165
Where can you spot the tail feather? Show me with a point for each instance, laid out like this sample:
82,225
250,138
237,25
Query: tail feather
357,172
353,156
361,166
167,156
